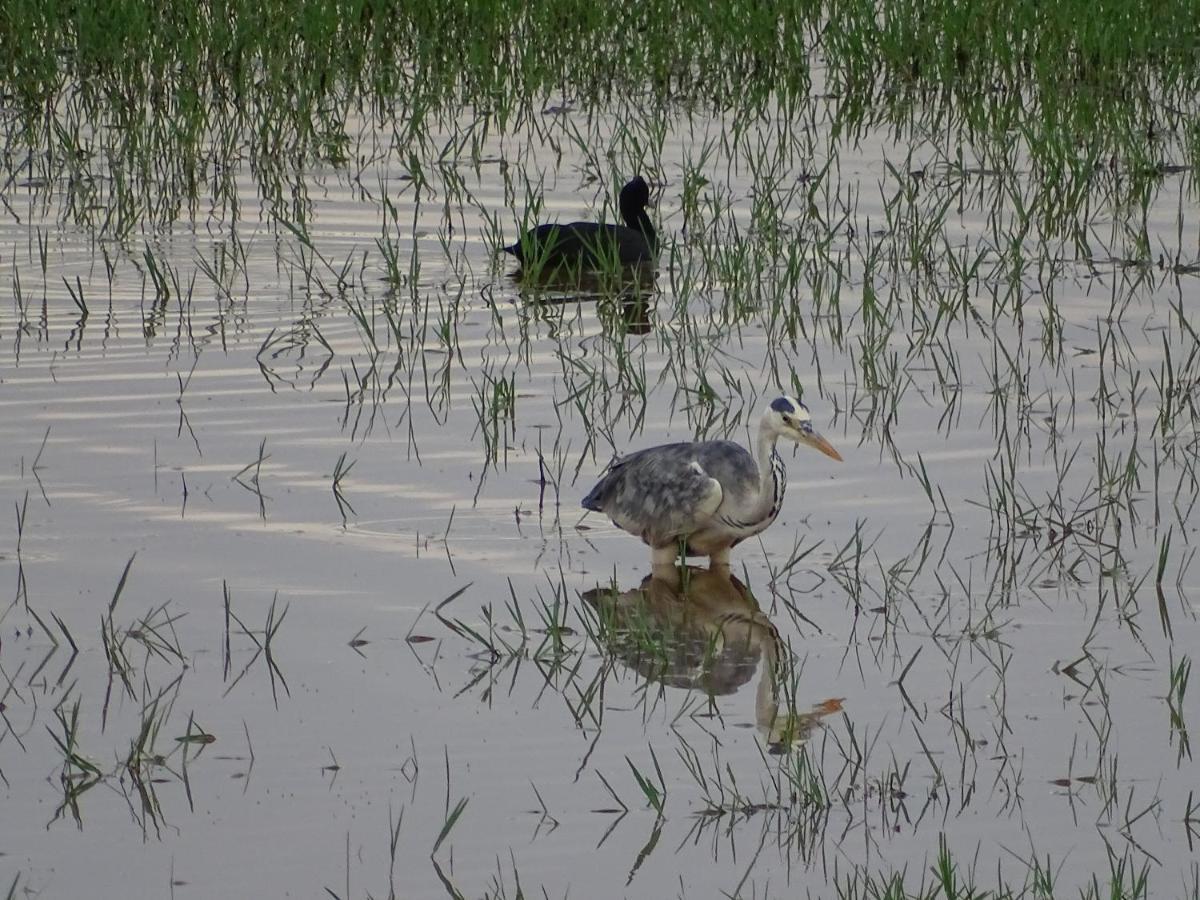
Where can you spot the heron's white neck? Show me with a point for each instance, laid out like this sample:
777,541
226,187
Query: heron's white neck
771,477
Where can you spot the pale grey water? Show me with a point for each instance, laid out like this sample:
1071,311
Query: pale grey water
991,720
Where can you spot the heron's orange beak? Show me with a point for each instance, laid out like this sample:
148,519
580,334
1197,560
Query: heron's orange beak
817,442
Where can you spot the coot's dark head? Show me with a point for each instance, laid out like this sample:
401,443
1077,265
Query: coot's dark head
634,197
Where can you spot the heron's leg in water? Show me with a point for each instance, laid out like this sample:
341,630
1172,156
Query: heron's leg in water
669,574
719,558
664,557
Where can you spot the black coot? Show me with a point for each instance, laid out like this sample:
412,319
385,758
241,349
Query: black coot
590,244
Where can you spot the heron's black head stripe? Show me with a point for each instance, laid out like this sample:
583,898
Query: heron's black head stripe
783,405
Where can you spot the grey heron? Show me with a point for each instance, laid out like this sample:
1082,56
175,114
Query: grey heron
704,496
590,244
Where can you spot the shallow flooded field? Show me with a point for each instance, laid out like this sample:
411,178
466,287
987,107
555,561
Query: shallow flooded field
302,601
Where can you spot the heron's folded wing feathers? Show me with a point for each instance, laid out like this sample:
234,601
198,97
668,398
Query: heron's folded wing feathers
663,493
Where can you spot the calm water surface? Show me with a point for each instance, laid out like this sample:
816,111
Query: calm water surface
974,586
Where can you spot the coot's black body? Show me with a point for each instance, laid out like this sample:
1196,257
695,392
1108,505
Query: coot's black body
591,244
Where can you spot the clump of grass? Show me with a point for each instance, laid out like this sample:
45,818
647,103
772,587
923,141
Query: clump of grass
277,82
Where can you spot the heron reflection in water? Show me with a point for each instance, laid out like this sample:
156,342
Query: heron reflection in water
701,629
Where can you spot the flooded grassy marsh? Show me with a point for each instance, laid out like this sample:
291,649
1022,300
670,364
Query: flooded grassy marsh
302,601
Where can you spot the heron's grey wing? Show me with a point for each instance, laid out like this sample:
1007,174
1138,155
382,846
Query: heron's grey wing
660,494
